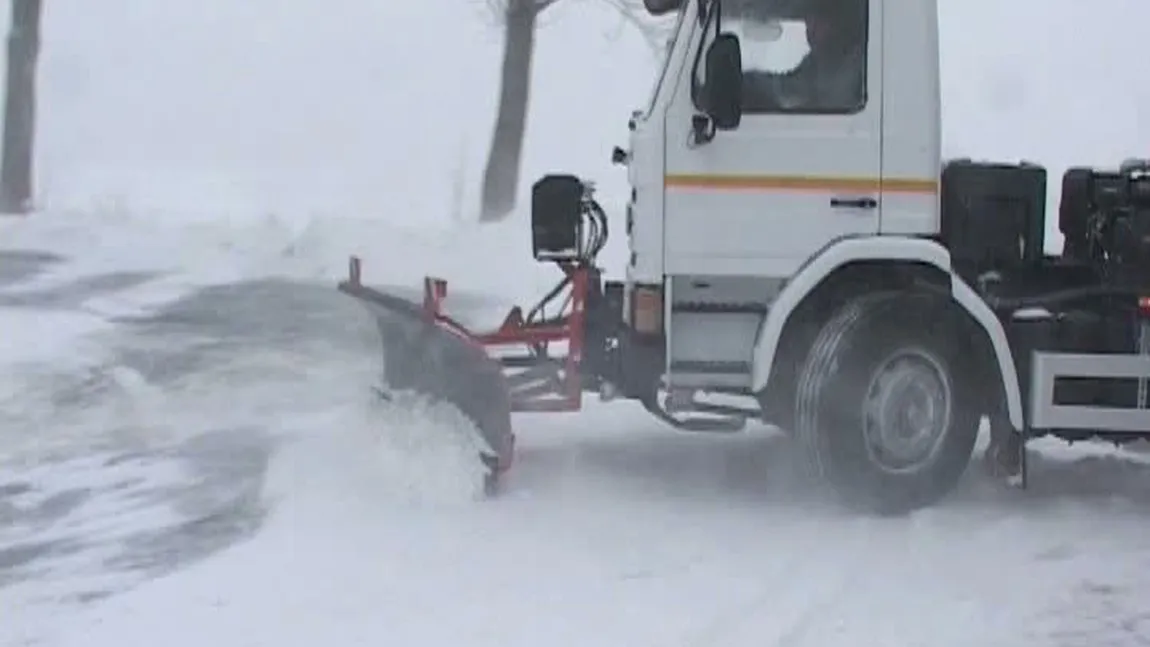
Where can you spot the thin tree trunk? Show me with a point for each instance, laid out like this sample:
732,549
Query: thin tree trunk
16,165
501,176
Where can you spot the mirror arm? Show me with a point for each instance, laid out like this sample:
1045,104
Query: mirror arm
703,130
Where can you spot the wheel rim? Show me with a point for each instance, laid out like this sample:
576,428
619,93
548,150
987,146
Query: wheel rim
907,411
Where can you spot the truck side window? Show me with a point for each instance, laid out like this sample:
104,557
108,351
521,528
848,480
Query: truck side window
812,60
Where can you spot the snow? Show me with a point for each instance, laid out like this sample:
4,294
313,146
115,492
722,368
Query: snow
223,476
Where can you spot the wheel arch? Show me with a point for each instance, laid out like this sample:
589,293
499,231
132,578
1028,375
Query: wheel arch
853,265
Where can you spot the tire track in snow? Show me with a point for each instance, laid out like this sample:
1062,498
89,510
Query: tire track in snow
951,576
817,577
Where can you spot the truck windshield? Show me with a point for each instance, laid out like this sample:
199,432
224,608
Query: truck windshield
813,62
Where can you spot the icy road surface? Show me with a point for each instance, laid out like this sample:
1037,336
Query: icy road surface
220,475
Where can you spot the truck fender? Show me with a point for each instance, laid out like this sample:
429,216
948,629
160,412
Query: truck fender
882,248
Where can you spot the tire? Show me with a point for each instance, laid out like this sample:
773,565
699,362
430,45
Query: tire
895,348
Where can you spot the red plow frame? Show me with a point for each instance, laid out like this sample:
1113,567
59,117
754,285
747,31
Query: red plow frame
543,383
536,381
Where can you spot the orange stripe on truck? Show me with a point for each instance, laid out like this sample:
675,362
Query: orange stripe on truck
799,183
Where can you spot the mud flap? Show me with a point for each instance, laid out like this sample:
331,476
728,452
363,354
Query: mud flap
430,358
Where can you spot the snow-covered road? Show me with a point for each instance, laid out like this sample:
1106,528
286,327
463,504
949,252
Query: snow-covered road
214,470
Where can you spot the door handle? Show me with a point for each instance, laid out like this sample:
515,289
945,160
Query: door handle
854,203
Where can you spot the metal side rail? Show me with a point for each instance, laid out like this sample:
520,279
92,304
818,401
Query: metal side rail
1049,367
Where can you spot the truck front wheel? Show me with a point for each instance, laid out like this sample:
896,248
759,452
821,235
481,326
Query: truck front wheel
885,412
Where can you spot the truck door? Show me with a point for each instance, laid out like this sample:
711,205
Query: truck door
804,166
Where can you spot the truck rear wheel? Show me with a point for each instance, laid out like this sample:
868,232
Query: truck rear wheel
883,411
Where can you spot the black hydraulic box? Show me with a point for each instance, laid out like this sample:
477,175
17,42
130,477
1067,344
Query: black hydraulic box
556,217
993,215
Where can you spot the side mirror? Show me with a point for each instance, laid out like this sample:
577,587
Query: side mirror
723,88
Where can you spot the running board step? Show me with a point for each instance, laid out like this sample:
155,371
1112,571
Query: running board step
701,424
701,416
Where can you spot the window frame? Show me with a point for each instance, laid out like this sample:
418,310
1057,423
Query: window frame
860,106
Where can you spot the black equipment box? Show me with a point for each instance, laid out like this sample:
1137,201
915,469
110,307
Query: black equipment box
993,215
556,217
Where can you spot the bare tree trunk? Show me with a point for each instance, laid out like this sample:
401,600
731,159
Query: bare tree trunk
501,176
16,181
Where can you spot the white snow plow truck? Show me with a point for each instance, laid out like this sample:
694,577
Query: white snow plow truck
801,254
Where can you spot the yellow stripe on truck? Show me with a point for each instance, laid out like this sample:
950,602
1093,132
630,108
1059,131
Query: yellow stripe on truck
799,183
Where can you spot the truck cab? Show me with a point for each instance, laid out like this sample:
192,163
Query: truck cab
795,168
821,124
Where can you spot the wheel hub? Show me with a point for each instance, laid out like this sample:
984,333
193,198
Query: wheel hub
907,411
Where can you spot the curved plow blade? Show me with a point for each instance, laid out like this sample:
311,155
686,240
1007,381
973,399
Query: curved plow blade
426,357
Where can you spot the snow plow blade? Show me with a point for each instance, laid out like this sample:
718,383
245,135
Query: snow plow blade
531,363
433,358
